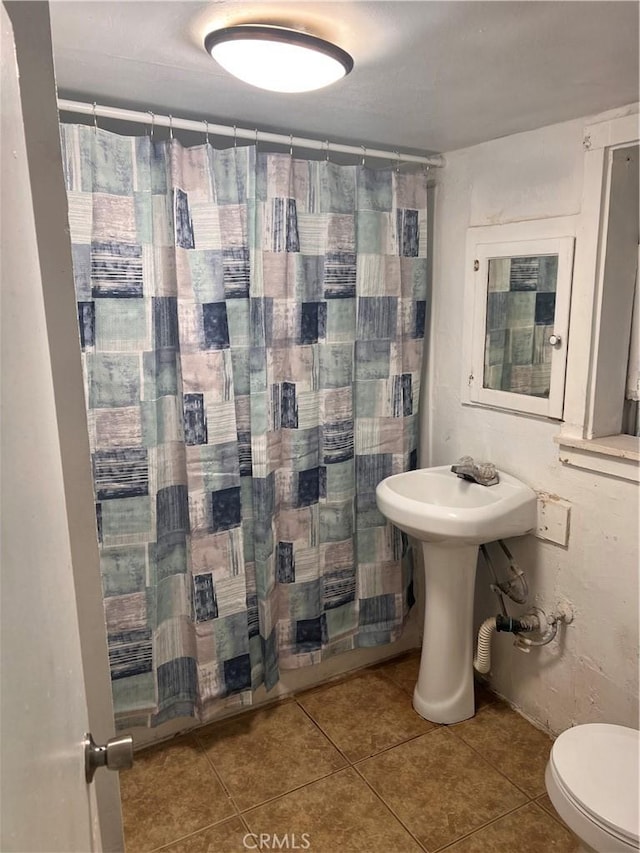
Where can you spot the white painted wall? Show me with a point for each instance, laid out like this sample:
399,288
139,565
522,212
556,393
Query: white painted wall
591,672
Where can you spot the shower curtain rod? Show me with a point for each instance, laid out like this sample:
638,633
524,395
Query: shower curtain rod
99,111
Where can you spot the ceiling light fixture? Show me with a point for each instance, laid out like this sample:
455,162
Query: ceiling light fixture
277,58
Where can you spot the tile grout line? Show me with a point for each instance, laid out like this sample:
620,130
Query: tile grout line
355,764
241,814
351,763
390,809
217,775
323,733
555,815
196,832
438,727
262,803
245,824
393,681
236,813
493,766
244,811
478,828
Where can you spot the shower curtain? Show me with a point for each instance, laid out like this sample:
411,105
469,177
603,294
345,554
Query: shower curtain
252,332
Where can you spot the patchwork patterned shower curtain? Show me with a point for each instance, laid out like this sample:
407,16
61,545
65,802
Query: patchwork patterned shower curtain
252,331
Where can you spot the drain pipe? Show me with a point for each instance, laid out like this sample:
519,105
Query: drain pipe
536,621
482,660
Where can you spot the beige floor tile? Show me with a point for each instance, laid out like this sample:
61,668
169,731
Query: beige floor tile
439,787
483,696
225,837
266,753
364,715
403,671
547,805
505,739
529,829
339,814
169,792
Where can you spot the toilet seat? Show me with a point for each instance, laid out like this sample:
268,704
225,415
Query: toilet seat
597,767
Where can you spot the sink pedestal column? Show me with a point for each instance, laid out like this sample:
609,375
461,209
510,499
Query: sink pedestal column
444,692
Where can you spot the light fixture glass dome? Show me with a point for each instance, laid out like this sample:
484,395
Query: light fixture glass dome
277,58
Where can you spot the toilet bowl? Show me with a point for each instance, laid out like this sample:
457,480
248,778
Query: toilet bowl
592,781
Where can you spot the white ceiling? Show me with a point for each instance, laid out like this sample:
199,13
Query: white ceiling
428,76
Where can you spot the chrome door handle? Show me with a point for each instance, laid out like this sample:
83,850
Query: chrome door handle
555,340
116,754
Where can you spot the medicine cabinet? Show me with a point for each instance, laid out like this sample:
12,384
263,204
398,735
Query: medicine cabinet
520,291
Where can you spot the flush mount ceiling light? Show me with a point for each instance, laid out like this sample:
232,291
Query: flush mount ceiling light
277,58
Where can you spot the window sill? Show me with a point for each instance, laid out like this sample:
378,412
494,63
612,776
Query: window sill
614,455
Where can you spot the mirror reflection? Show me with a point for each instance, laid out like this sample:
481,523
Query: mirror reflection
521,302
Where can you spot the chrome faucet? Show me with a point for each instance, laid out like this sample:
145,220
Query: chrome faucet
483,473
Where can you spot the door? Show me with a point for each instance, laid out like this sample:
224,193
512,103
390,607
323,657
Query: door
45,710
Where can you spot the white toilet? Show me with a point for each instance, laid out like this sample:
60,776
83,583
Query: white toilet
592,781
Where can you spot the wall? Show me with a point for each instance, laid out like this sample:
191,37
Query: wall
590,673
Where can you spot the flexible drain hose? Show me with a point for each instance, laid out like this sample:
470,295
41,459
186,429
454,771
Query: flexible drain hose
482,660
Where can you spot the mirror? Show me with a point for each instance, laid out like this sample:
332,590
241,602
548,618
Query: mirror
520,287
521,303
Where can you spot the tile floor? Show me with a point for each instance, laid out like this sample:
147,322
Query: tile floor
345,767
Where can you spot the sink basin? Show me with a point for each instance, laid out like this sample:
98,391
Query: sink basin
452,517
435,505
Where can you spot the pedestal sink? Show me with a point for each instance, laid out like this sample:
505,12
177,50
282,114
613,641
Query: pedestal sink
452,517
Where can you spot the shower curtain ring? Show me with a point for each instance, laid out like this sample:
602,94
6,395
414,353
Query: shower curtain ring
235,136
153,118
95,118
170,127
364,152
206,131
256,138
290,145
326,142
398,163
